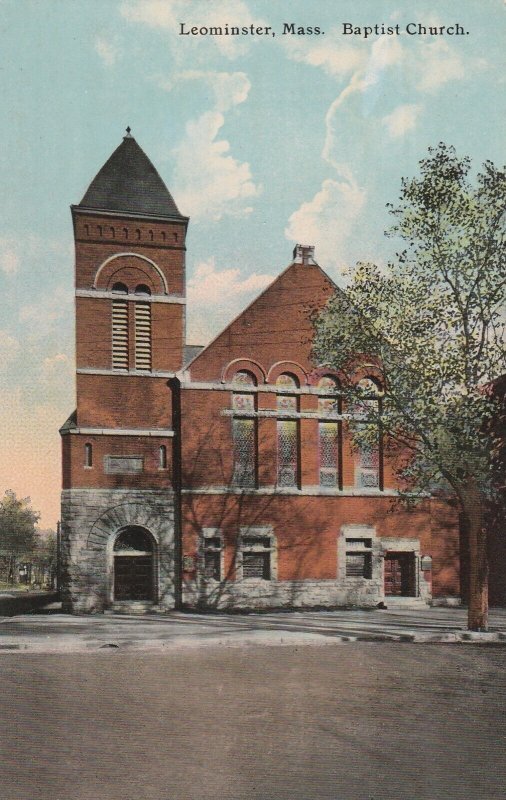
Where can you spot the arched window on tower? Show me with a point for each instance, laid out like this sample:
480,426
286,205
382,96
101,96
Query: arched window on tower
119,332
88,455
142,288
143,336
162,456
119,288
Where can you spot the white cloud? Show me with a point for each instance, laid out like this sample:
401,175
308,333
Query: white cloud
327,220
402,120
208,182
9,349
44,316
215,297
439,64
9,256
330,53
107,51
166,15
229,88
56,374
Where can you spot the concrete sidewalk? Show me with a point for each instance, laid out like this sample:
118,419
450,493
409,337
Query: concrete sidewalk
50,633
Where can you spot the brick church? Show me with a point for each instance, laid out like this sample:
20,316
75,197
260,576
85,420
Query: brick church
223,476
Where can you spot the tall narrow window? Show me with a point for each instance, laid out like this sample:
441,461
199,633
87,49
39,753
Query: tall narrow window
288,456
368,472
287,432
244,432
119,334
88,455
368,406
244,439
142,336
329,432
329,453
162,457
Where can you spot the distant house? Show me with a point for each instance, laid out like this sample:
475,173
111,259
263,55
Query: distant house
224,476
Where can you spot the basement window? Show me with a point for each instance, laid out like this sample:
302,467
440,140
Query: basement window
212,555
359,558
256,552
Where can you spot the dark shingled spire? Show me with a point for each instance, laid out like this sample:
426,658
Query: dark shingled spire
129,182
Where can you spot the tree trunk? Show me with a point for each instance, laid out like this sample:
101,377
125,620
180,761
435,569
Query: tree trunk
477,616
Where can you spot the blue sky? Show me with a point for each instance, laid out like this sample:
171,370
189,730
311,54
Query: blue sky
263,141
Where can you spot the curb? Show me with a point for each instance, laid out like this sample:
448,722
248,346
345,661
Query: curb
78,644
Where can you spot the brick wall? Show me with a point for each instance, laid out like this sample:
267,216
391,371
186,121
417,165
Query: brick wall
77,474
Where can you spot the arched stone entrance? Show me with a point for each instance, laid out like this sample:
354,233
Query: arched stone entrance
134,559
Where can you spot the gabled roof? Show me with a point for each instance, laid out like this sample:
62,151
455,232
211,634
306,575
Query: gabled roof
277,325
129,182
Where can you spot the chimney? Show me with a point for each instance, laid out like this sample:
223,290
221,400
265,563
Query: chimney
304,254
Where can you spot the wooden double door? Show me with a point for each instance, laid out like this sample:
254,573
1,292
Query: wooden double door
134,562
133,578
400,574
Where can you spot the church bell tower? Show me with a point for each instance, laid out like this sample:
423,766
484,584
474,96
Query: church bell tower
118,537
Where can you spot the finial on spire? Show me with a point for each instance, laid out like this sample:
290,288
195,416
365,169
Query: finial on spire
128,132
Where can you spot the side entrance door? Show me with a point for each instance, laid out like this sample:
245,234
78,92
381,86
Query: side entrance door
400,576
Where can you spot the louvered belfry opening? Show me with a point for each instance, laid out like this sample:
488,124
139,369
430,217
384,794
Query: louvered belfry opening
142,336
120,334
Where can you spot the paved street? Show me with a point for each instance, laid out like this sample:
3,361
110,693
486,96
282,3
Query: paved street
361,721
59,632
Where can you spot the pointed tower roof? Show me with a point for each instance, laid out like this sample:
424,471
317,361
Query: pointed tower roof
128,182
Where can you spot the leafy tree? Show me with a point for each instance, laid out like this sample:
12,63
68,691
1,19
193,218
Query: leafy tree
44,558
433,320
17,529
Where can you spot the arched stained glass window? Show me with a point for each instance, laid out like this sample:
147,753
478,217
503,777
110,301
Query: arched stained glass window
328,405
287,381
244,378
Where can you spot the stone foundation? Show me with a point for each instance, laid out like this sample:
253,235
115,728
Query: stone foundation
91,520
